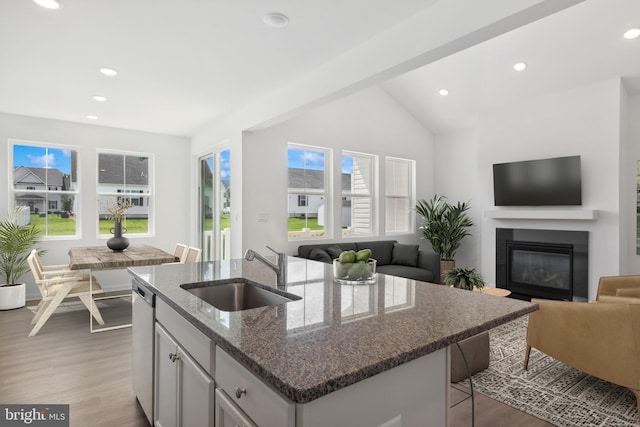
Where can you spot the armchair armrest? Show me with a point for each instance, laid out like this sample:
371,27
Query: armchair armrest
612,284
56,267
430,261
598,339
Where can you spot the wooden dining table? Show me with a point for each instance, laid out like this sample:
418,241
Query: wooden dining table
94,258
103,258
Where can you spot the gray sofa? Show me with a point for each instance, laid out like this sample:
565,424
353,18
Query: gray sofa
393,258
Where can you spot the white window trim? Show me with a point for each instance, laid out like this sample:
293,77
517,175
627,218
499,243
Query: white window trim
412,197
373,193
76,193
151,195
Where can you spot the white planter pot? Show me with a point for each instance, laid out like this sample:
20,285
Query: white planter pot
12,296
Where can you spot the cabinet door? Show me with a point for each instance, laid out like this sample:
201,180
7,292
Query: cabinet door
166,380
228,414
196,393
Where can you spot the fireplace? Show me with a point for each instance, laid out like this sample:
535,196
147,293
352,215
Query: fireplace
550,264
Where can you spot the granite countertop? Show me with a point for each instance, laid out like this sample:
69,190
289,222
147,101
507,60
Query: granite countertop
336,335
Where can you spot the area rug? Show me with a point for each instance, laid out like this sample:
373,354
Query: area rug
549,389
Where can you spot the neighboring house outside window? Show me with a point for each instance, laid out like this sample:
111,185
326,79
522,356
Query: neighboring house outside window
302,200
358,180
309,171
45,182
126,177
399,195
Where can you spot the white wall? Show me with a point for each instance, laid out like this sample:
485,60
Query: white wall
456,172
584,121
633,150
368,122
171,160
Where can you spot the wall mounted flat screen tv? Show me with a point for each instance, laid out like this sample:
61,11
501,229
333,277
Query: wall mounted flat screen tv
544,182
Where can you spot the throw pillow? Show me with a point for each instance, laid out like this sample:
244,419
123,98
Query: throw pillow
334,251
405,255
318,254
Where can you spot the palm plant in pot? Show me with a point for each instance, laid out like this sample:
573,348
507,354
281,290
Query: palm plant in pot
444,225
16,242
463,278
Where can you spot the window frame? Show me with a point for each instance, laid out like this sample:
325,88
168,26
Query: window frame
74,193
411,223
326,194
372,193
150,195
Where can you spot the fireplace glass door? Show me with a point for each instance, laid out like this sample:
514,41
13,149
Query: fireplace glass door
541,270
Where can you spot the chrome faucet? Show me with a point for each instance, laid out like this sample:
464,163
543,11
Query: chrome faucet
280,266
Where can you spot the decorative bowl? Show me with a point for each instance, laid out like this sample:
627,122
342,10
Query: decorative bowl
355,272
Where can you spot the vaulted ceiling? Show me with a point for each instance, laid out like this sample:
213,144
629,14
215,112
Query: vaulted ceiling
184,63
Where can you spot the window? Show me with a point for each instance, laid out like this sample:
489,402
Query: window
399,195
309,173
357,193
215,205
45,181
125,178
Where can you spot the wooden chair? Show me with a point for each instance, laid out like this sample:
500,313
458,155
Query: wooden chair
57,284
193,254
180,251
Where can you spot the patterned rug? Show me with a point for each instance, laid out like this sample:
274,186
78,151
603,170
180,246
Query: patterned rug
550,390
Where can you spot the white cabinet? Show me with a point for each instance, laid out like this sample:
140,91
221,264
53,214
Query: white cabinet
184,393
228,414
264,406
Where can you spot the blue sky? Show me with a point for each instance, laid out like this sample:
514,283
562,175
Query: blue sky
41,157
225,164
305,159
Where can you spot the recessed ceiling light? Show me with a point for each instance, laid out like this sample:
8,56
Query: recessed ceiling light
443,92
632,33
90,117
276,20
99,98
109,72
49,4
519,66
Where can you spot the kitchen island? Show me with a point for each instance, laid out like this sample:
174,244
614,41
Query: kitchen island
342,354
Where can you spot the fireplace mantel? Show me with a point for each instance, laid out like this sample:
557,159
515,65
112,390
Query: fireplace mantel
543,213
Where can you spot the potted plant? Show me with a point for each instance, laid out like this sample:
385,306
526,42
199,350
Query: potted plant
444,225
463,278
16,242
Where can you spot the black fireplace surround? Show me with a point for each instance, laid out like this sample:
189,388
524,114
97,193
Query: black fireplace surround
550,264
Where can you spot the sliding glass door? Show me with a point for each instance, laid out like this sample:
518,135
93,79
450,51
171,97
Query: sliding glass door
215,206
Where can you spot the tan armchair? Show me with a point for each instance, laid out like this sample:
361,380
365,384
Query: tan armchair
619,289
601,339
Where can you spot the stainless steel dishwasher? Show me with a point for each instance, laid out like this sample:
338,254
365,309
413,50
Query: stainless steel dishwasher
142,337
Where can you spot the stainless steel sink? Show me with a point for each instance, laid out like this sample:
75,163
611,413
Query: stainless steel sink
238,294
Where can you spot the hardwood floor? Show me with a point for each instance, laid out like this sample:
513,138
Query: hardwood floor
66,364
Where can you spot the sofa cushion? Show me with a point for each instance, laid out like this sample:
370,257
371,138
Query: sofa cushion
334,251
305,250
381,250
405,255
318,254
405,271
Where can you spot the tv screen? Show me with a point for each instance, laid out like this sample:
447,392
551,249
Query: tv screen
545,182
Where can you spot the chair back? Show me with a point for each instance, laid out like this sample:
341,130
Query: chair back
180,251
36,269
193,254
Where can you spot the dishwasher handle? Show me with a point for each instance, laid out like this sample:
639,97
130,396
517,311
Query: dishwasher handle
144,293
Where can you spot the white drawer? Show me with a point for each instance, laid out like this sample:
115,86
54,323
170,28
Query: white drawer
263,405
197,344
